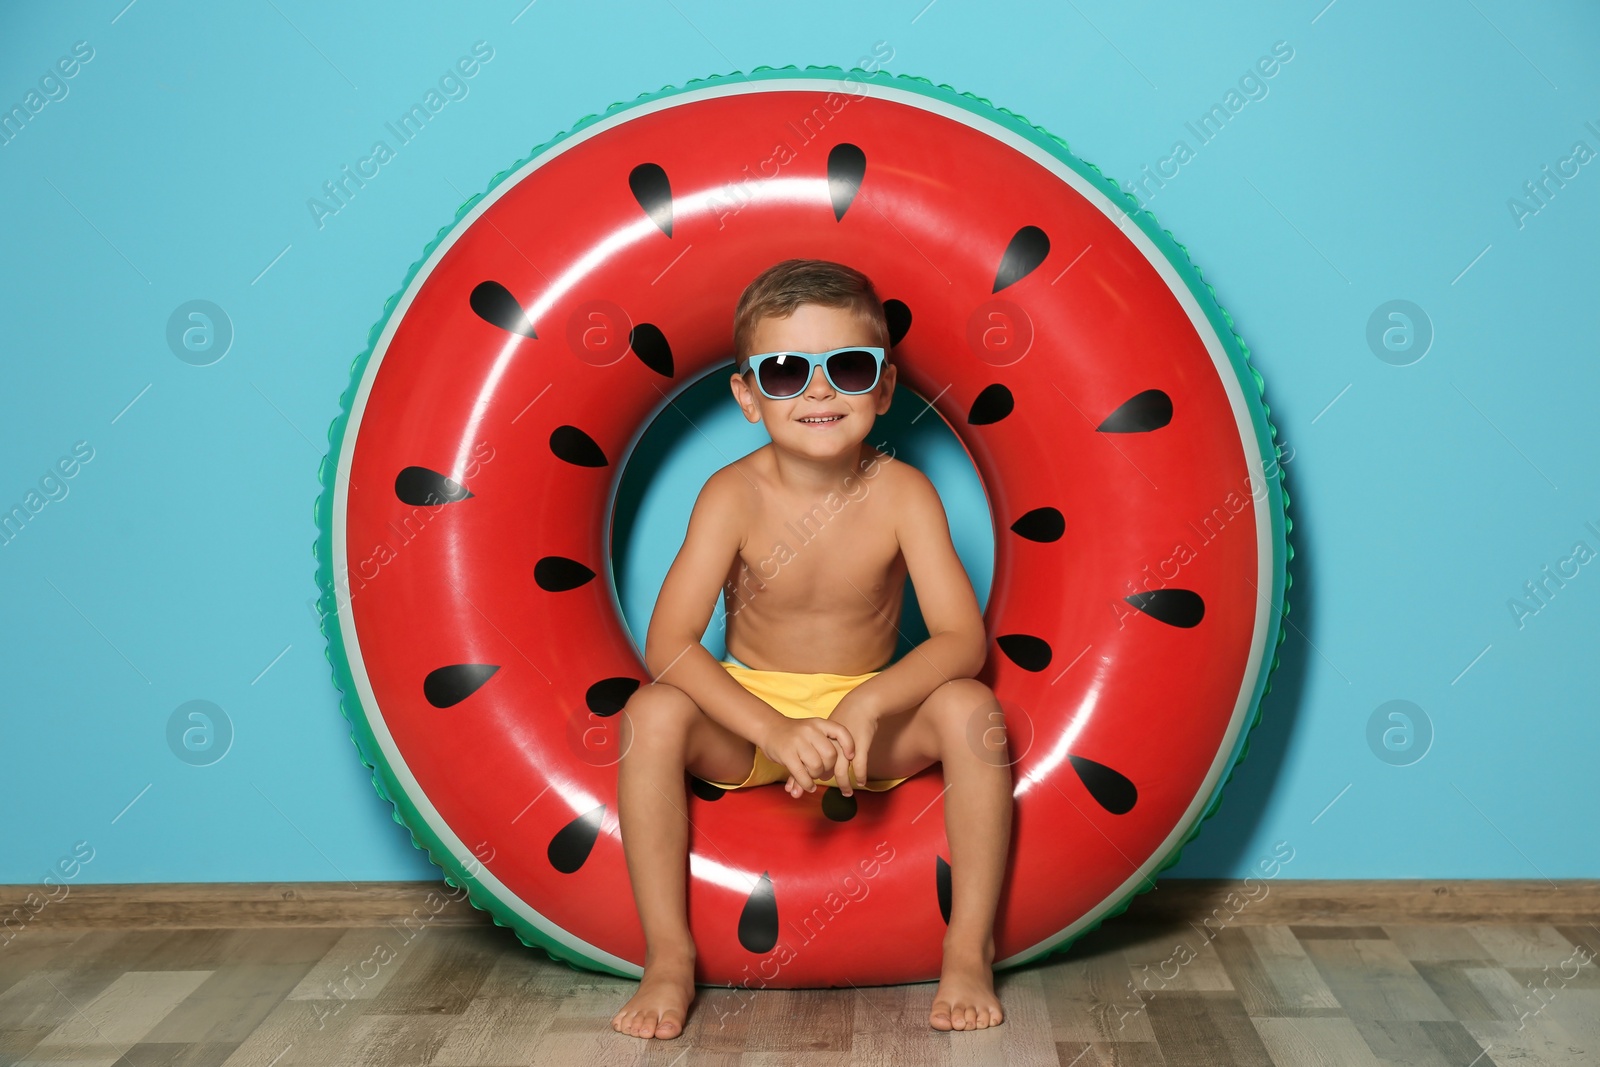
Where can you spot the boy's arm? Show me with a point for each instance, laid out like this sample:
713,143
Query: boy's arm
957,645
673,652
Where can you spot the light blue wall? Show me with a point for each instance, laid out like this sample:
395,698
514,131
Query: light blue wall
1378,167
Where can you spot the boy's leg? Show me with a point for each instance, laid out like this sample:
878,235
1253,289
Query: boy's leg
663,732
961,726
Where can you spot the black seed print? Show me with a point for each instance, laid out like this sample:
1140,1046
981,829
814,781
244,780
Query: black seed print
1110,789
837,806
421,487
1141,413
446,686
847,164
941,881
1026,251
1175,607
607,696
557,574
704,789
495,305
571,445
650,345
654,193
1025,650
898,317
571,846
758,922
992,405
1041,524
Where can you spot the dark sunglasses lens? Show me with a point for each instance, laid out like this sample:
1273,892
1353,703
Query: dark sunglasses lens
785,375
854,371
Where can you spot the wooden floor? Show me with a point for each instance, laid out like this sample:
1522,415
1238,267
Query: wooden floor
1448,994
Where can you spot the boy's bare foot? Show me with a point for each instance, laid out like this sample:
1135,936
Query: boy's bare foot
661,1005
965,998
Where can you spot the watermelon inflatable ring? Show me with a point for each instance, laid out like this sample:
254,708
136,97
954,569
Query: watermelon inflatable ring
465,521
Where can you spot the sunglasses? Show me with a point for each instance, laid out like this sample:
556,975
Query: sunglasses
785,375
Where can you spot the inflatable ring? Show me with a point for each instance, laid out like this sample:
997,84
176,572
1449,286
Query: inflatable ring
1100,391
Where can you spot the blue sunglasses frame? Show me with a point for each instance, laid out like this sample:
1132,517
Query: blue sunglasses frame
815,360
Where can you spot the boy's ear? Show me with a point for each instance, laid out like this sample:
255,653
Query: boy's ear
746,398
886,388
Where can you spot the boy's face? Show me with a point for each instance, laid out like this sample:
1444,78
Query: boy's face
814,328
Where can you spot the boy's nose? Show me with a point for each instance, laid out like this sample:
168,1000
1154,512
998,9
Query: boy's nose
819,383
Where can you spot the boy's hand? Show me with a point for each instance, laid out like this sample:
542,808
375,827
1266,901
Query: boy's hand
861,720
808,749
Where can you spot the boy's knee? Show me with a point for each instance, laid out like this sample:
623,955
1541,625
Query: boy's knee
967,717
958,703
658,707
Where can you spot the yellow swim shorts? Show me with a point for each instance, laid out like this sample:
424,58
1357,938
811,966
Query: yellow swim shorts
799,696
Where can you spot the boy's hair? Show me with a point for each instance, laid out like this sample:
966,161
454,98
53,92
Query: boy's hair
782,287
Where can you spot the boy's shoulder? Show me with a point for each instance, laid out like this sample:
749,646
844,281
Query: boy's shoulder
733,492
894,473
742,479
728,486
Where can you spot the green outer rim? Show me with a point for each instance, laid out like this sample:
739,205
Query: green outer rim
405,813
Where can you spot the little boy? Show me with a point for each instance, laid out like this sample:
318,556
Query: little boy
806,695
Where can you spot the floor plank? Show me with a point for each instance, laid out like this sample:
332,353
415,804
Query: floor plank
1373,980
1093,1000
100,1030
1296,982
1433,941
1314,1042
508,1017
1523,946
357,966
263,966
1412,1042
1206,1029
1452,982
1577,1013
442,974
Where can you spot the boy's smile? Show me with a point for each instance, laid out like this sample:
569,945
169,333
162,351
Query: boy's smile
821,423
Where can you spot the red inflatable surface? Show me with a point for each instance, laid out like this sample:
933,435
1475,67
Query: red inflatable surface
1131,615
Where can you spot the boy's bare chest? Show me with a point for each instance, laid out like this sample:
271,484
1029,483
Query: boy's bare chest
825,554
